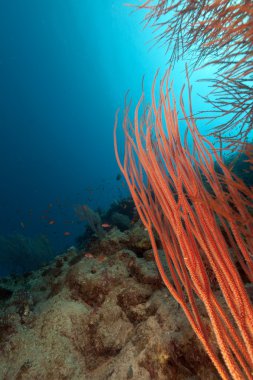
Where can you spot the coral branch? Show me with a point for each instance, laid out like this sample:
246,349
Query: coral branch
196,225
217,33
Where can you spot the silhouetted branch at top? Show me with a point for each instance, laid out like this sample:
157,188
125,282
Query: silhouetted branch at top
222,33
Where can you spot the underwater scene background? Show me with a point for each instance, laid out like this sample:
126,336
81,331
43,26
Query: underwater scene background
126,177
65,68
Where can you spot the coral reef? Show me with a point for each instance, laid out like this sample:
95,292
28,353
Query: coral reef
102,314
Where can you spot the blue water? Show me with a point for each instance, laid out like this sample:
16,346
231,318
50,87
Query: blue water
65,67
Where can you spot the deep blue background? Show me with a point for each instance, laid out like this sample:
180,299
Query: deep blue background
64,69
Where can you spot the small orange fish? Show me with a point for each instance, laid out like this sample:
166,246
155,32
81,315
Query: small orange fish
101,258
88,255
51,222
106,225
66,233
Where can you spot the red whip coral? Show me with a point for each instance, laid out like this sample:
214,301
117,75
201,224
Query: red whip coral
197,225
